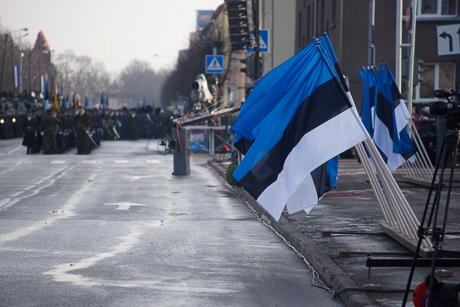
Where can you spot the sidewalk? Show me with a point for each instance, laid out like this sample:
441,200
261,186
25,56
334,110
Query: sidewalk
339,233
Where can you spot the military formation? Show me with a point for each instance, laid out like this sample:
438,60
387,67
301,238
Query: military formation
58,131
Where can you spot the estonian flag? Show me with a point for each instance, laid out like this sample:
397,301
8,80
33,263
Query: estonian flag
390,134
296,124
266,94
45,99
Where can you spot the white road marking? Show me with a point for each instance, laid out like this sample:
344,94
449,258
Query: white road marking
123,206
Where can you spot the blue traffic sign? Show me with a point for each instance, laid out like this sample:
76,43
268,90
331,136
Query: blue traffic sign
263,41
214,64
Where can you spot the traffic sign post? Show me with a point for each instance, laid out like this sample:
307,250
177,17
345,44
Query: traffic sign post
214,64
448,39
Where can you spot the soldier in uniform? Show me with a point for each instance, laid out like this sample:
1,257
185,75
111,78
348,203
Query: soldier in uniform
29,129
84,128
48,127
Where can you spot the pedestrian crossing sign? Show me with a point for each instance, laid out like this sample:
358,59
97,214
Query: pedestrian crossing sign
214,64
263,41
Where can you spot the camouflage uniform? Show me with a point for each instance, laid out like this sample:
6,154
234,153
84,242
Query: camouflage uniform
49,128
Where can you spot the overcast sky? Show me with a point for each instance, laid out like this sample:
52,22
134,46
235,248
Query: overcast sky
113,32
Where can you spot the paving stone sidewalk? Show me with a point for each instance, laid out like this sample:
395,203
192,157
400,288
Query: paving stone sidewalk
344,228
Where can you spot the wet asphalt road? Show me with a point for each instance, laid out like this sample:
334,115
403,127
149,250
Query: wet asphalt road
116,228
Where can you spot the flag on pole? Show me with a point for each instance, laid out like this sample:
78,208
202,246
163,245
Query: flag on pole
307,120
86,102
266,93
17,76
102,103
55,96
45,97
389,116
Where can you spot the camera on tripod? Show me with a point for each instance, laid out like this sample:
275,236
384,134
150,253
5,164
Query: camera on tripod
449,107
200,94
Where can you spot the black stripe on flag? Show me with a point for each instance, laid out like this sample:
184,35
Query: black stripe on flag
326,101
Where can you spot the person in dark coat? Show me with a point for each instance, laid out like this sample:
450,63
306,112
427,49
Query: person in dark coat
84,128
30,129
133,123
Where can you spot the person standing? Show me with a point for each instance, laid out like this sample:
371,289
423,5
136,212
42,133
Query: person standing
30,129
48,127
133,123
84,128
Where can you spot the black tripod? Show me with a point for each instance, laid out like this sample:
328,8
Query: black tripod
448,153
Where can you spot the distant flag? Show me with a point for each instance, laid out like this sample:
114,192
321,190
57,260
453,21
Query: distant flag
102,103
86,102
298,119
389,119
17,76
107,100
46,100
143,102
55,96
42,84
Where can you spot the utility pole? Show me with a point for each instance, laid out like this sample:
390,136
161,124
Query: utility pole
411,54
255,9
371,50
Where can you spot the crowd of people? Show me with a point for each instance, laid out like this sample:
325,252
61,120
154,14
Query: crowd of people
57,131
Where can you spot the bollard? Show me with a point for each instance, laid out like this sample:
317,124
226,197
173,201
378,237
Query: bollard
182,153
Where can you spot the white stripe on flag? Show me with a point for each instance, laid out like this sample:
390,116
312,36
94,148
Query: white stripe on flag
385,144
294,186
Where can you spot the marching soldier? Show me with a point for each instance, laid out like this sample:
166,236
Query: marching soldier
29,129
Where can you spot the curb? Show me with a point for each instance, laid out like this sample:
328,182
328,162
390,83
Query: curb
334,276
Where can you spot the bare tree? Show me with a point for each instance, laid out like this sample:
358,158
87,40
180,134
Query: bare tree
139,80
191,63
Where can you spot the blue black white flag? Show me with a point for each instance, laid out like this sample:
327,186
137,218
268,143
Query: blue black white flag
388,117
46,102
266,94
298,123
17,76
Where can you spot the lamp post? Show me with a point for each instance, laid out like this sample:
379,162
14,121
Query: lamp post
20,71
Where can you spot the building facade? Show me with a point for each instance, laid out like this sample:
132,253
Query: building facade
347,25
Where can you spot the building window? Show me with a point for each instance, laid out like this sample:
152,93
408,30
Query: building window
437,8
435,75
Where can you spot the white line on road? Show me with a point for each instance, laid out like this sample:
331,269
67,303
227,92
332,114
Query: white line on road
152,161
123,206
57,162
68,208
16,194
13,150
